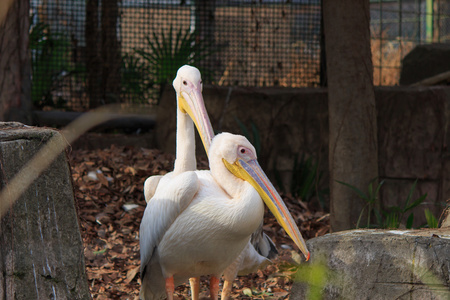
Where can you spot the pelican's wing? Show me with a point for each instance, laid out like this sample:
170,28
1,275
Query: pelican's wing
171,198
263,244
248,261
150,186
256,255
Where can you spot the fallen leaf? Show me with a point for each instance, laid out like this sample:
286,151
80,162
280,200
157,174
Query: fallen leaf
131,274
247,292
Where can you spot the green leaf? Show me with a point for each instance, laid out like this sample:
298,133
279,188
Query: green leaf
378,187
409,221
411,191
360,216
378,216
356,190
243,128
432,222
256,138
417,202
99,251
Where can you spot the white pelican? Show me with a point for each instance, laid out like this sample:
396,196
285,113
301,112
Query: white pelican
173,191
190,110
193,227
188,88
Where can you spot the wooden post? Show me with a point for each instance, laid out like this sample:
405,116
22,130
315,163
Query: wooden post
15,69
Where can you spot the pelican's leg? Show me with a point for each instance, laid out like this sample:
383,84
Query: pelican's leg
170,288
226,290
214,287
195,287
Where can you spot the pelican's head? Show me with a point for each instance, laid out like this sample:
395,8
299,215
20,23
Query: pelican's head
188,86
239,157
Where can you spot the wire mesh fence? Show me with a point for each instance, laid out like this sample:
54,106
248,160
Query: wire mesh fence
86,53
398,26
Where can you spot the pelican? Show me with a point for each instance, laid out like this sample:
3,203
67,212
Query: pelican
193,227
260,249
184,197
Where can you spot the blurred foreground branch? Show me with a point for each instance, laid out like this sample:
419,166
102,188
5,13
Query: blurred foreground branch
22,180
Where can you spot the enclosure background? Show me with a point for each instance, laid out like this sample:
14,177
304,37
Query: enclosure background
87,53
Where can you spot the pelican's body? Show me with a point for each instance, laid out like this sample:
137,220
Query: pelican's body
214,229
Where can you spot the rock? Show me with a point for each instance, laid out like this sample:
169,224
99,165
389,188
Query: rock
425,61
378,264
40,243
446,218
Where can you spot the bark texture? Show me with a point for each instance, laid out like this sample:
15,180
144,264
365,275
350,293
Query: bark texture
15,71
352,111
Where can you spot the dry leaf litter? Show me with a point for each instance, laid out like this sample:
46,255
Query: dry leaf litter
108,185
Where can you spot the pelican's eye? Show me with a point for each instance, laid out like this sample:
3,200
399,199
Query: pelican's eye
184,82
245,153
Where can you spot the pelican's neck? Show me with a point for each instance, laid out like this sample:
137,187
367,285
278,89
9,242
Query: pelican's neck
234,186
245,211
185,141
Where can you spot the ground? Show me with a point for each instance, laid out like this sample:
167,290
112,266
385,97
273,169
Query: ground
108,187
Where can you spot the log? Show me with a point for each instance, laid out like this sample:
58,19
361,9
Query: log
41,249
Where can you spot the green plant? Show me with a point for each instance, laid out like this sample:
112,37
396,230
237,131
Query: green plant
254,137
136,84
432,222
316,275
370,198
305,180
50,63
392,216
167,52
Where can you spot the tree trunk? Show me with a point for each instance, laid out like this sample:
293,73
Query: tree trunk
41,251
110,52
353,149
15,70
93,60
205,26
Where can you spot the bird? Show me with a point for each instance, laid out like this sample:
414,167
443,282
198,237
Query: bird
260,249
192,226
190,110
188,87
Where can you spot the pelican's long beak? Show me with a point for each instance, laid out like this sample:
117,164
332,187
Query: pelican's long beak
191,102
252,173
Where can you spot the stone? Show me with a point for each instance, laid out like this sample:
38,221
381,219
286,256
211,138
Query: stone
41,251
425,61
378,264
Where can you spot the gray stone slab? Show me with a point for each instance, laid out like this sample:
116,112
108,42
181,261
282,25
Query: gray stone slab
40,242
382,264
425,61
